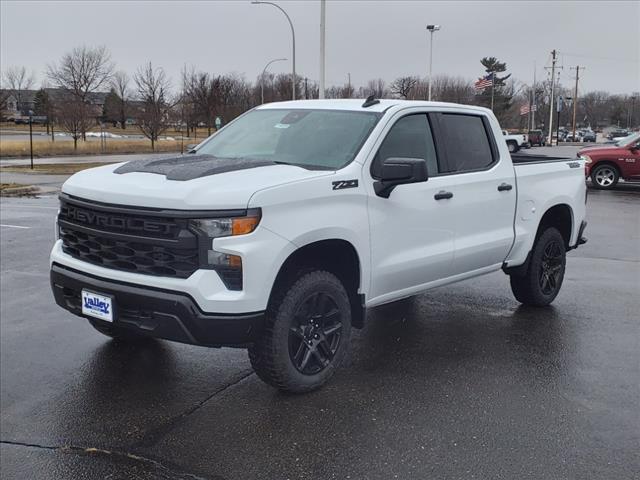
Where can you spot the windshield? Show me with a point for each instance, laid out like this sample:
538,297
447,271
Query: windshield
626,141
315,139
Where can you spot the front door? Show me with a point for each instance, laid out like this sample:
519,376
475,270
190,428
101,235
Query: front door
412,233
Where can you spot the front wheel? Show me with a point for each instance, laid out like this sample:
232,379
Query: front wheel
605,177
513,147
306,336
541,282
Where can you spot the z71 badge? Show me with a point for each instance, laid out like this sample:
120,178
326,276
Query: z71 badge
340,184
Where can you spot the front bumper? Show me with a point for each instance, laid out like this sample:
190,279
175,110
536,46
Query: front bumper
157,312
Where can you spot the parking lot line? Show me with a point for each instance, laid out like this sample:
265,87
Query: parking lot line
12,226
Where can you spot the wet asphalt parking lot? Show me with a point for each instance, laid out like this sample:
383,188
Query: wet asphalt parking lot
459,383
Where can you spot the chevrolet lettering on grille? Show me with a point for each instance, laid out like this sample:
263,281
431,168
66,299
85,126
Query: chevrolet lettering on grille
105,220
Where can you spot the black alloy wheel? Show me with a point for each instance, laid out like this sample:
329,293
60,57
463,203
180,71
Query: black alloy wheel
551,267
315,333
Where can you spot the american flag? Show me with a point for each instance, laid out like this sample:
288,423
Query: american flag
484,82
524,109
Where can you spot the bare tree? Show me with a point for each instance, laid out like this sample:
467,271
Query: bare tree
402,86
81,72
17,80
203,90
71,114
377,88
155,105
120,85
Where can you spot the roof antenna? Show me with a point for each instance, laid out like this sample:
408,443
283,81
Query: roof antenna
371,100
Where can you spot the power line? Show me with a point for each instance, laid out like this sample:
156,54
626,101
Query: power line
612,59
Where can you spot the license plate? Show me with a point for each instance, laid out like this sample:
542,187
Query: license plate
98,306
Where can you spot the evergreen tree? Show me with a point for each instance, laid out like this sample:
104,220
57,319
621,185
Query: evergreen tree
42,106
112,106
502,92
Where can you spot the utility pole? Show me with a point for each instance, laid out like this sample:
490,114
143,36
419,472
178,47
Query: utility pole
533,97
323,7
553,77
575,99
306,94
349,84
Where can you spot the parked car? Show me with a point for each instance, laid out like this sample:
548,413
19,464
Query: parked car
537,137
515,141
617,133
589,136
284,227
607,164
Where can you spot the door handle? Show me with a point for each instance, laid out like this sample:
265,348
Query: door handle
442,195
504,187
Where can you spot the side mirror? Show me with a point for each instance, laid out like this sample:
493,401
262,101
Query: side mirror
400,171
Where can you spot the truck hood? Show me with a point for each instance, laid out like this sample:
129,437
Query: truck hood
595,150
182,183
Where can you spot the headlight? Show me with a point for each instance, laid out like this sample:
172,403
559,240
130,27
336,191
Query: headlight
229,267
226,227
586,158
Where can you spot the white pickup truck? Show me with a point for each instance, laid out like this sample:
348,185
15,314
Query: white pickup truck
515,141
282,229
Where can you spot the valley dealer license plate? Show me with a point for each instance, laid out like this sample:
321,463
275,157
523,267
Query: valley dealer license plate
98,306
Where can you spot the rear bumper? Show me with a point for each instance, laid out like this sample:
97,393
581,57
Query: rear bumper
156,312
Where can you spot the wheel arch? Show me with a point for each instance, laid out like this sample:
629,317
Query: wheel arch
559,216
334,255
610,163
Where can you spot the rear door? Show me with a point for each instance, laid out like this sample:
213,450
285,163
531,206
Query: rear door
483,188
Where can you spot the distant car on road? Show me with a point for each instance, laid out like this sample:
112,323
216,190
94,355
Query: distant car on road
608,164
536,137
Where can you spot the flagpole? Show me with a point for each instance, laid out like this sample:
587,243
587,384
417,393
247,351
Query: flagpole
493,83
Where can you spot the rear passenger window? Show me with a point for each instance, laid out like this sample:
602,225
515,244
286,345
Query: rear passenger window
410,137
467,142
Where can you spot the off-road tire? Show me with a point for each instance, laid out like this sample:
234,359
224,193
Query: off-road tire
272,355
531,288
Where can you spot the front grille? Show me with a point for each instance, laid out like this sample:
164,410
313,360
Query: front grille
133,241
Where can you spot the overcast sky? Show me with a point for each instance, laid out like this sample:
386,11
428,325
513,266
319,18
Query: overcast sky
366,38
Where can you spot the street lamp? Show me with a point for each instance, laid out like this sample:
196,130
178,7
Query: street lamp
262,76
293,38
431,29
31,136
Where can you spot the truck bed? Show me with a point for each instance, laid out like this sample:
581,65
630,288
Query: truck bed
519,158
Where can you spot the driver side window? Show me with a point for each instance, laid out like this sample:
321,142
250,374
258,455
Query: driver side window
409,137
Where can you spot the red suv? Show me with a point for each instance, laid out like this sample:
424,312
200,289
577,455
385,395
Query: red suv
609,163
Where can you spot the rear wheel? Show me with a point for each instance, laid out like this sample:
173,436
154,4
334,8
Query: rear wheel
513,147
307,332
541,282
605,176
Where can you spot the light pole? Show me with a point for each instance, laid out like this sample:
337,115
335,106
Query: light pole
293,38
431,29
31,136
262,76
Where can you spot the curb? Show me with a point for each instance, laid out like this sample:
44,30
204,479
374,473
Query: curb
19,191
